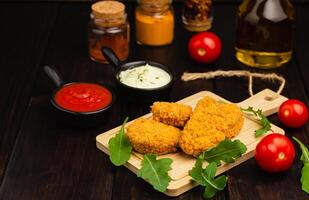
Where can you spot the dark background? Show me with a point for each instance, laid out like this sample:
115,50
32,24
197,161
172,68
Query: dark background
40,159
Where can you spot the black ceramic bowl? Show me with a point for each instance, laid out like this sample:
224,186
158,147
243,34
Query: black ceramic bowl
73,118
136,94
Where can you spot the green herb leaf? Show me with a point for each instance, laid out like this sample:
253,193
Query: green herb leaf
227,151
305,170
266,126
305,178
120,147
305,153
206,177
156,171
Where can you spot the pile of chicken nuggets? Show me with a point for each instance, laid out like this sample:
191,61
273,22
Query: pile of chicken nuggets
175,125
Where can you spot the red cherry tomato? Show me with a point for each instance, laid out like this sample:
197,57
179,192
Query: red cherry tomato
205,47
293,113
275,153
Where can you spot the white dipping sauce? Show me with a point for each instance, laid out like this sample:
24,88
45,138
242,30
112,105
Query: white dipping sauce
145,77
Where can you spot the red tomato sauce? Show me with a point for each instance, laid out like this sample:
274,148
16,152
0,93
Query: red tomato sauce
83,97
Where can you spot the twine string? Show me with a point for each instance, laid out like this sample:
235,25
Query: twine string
238,73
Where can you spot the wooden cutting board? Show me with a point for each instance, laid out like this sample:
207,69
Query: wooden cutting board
181,182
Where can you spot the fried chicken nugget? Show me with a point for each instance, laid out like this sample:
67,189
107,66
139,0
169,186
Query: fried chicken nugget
174,114
150,136
210,123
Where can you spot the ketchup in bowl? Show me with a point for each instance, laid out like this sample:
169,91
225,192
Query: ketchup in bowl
83,97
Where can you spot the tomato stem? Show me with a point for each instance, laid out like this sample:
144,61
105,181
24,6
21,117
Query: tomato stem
201,51
281,155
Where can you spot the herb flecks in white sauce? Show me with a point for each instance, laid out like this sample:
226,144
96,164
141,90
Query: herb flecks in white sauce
145,76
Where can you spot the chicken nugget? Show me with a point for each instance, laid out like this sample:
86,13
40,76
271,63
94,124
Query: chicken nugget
210,123
150,136
174,114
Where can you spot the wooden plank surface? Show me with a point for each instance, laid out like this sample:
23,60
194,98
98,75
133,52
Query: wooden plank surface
49,161
296,73
22,47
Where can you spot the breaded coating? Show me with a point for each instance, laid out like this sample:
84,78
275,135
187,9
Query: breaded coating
150,136
210,123
174,114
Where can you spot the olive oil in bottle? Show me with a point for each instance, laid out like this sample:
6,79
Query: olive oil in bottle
264,33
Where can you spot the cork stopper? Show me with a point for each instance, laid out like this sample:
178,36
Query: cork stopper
155,2
108,10
108,13
155,5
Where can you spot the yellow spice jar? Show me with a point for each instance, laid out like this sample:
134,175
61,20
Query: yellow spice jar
154,22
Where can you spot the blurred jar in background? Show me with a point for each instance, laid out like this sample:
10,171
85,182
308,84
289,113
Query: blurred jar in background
197,15
154,22
108,27
264,33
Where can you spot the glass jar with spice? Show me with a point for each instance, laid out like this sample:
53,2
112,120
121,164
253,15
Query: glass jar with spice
154,22
197,15
108,27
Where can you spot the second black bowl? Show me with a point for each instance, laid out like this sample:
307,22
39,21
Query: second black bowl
137,94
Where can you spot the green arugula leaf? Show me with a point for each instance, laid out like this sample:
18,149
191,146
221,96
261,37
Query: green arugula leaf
227,151
305,170
305,153
156,171
266,126
305,178
120,147
206,177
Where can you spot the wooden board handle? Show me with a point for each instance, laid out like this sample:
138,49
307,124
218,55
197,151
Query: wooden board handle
266,100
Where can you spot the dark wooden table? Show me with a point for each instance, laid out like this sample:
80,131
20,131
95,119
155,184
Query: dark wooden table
42,160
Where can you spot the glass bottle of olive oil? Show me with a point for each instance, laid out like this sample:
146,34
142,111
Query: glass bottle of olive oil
264,33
